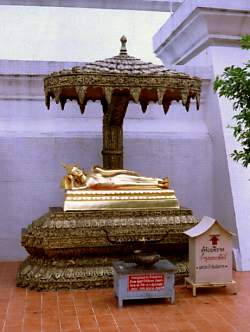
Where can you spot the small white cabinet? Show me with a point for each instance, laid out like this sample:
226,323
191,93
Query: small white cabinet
210,255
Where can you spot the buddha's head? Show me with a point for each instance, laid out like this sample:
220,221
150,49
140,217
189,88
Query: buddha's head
74,169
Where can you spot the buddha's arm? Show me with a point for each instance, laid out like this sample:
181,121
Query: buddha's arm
67,182
112,172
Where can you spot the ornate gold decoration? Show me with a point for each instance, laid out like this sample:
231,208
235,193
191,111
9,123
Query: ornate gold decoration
108,93
45,274
125,78
81,90
47,98
75,249
117,199
80,230
57,92
166,105
123,50
198,100
135,93
160,94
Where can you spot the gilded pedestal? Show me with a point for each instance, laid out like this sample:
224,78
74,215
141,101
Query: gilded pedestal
149,199
75,249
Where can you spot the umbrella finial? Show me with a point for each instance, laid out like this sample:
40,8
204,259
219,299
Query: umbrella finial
123,50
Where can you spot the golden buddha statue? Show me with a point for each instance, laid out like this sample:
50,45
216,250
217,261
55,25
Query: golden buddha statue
114,189
101,179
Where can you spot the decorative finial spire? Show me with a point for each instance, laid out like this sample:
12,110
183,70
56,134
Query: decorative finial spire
123,50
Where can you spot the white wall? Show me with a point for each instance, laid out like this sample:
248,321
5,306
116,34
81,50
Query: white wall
239,176
207,33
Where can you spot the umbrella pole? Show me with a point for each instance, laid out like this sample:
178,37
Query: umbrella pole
114,114
112,146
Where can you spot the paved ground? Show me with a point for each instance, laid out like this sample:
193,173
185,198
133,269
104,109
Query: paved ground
213,310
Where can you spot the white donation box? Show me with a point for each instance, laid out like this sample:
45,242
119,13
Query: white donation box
210,255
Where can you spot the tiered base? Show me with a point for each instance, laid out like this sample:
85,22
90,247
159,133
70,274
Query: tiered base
76,249
76,200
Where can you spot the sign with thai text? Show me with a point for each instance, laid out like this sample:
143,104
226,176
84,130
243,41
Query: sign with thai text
213,256
146,282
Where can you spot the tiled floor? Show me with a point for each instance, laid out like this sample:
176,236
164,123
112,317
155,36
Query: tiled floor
22,310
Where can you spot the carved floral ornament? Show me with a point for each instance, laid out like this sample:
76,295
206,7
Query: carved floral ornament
143,82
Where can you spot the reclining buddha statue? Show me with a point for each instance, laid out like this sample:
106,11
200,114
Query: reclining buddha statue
114,188
99,178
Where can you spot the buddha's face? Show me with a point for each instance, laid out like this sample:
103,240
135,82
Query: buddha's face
76,171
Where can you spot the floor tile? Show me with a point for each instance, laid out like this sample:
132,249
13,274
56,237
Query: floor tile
95,310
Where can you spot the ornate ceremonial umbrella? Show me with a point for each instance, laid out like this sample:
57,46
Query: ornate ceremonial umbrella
116,81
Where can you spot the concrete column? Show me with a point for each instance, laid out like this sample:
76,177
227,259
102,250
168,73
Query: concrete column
208,33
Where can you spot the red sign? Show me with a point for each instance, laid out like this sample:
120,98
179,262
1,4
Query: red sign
146,282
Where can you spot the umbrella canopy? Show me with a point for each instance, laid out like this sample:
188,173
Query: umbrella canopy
116,81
